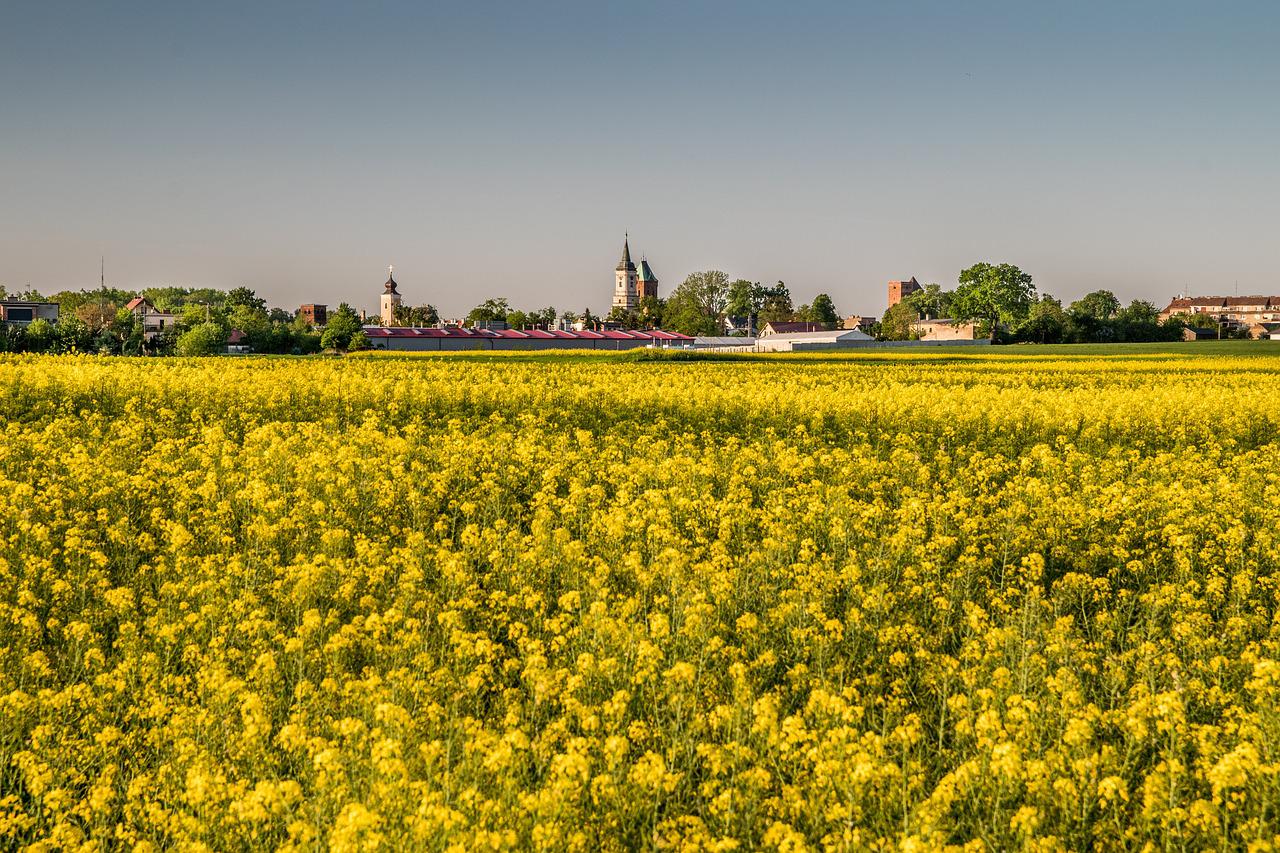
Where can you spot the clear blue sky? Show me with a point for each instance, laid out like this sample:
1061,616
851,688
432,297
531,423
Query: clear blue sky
502,149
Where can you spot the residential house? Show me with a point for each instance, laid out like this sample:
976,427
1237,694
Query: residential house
20,312
860,322
790,327
152,320
944,329
238,343
1232,312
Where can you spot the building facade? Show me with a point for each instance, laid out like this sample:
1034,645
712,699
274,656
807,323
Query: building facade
457,338
900,290
860,322
790,327
626,290
647,283
315,315
390,300
814,340
20,312
1242,309
944,330
152,320
1234,313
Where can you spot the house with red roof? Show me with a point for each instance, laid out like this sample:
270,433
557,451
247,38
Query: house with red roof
1232,312
152,320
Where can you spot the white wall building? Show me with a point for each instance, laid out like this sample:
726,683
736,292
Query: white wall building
626,290
799,341
390,300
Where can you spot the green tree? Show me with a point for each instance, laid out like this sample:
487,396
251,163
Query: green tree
341,329
1098,305
823,311
255,324
896,325
165,343
244,297
39,335
992,294
1046,322
623,317
776,304
931,302
745,301
203,339
652,312
489,311
1091,318
546,317
197,313
697,305
1140,321
417,316
72,335
171,299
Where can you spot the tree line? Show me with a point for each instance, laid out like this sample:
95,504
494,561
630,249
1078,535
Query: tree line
1002,301
98,321
705,303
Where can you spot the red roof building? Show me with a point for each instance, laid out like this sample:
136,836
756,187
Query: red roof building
457,338
790,327
1247,311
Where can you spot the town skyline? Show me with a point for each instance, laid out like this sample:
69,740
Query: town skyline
830,146
367,298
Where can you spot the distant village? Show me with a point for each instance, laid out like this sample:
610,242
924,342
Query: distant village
992,304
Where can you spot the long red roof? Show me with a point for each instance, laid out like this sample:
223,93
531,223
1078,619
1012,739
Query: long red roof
520,334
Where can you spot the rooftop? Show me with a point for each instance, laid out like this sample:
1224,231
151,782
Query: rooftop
535,334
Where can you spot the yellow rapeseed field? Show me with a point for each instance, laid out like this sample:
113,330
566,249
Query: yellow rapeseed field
878,602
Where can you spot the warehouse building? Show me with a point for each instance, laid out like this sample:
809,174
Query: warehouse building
798,341
457,338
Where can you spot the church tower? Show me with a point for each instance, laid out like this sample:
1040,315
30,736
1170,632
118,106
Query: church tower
648,282
390,299
625,290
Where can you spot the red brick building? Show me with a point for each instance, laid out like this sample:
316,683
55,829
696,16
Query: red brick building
900,290
315,315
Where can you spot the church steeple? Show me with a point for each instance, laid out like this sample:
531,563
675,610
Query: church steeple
625,293
390,300
625,264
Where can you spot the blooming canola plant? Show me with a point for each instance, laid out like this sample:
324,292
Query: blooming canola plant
995,601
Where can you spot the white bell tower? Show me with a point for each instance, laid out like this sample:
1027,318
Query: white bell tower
625,288
390,299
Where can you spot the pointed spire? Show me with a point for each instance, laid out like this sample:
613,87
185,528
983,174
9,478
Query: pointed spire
625,264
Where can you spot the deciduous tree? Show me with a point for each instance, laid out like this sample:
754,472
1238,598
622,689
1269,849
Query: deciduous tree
992,294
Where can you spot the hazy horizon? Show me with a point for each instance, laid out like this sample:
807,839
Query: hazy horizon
488,151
